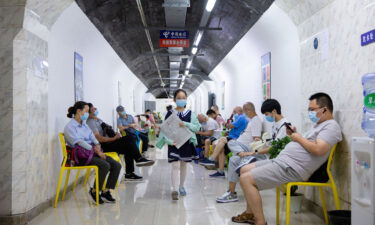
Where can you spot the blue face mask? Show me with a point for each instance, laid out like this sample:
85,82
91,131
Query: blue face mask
181,103
96,113
270,119
123,113
313,117
85,116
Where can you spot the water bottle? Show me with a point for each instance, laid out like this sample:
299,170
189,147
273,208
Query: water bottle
368,116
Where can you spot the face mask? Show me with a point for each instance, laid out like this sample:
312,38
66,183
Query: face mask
85,116
123,113
313,117
270,119
181,103
96,113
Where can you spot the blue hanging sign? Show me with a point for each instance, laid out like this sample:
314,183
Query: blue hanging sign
174,34
174,38
368,38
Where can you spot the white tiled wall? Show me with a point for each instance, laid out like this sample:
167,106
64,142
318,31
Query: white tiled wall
337,69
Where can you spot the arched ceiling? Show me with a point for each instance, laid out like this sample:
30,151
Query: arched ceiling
300,10
121,25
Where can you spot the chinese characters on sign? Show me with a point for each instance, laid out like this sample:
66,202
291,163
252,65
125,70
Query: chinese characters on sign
368,38
170,38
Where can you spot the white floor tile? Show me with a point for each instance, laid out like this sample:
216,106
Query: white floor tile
149,202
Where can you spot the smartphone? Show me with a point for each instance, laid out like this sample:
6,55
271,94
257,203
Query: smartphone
288,126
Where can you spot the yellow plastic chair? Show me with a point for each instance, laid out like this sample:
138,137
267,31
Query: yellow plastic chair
211,150
331,184
68,169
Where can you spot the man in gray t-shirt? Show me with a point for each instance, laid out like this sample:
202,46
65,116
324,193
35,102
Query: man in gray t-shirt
96,126
122,145
297,162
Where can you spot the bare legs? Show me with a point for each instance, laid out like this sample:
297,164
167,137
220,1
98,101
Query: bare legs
252,195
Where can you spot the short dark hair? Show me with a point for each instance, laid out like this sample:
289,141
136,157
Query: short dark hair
210,112
323,100
148,110
269,105
90,106
178,91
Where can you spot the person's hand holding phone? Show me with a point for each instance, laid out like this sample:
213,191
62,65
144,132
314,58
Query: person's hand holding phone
290,129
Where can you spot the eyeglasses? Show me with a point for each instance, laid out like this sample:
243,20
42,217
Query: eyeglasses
313,109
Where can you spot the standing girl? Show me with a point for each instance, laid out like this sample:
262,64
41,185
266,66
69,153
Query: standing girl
179,157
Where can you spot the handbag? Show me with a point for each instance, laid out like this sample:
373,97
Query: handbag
83,156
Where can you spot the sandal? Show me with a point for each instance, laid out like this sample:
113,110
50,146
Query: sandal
244,218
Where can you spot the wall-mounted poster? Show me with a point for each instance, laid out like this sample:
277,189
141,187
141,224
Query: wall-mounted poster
266,75
78,77
223,95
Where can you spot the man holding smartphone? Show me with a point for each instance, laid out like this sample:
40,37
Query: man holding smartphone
297,162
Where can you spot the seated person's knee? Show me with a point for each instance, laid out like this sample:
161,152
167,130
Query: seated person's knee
248,178
223,140
247,168
104,165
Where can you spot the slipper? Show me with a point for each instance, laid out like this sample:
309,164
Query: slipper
244,218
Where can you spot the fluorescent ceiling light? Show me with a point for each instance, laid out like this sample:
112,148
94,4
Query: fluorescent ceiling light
188,65
194,50
183,78
210,5
186,72
199,37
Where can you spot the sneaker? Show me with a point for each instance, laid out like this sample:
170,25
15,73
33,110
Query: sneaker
144,162
174,195
93,196
227,197
207,162
132,177
182,191
108,197
218,174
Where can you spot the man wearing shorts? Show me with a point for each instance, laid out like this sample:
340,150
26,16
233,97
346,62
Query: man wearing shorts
297,162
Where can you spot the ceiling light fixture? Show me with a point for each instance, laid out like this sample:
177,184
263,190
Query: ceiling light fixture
199,37
194,50
210,5
186,72
188,65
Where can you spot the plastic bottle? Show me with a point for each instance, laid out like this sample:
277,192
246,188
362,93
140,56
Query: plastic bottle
368,116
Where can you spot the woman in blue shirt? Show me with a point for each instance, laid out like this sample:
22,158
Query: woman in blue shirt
77,133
